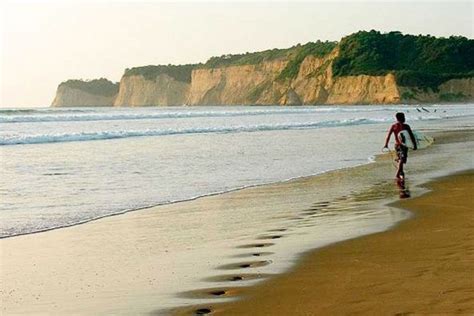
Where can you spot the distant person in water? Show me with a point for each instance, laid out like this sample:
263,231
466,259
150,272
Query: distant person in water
402,151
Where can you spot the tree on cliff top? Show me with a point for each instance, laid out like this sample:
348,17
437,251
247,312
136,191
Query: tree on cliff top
178,72
423,60
100,86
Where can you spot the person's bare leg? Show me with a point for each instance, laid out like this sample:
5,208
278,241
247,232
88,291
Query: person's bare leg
400,174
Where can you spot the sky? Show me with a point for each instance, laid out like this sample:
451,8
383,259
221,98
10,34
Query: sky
43,43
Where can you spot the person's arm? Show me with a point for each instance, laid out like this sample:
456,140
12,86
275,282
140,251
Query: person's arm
389,134
413,139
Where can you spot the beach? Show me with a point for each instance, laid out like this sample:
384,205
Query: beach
240,245
135,263
170,158
423,266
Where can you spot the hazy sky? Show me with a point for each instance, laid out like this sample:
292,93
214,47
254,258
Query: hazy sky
46,42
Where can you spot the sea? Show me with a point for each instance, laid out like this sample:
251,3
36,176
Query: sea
66,166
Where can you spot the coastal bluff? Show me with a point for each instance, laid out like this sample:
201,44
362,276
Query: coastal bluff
363,68
99,92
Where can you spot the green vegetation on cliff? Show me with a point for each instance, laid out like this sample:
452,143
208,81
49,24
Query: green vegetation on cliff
416,61
295,56
247,58
177,72
421,62
318,49
102,86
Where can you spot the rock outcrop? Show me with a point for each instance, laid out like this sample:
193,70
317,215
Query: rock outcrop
454,90
163,90
246,84
100,92
260,85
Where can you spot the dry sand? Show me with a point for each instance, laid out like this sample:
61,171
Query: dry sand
424,266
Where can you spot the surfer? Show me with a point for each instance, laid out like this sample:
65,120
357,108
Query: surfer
402,150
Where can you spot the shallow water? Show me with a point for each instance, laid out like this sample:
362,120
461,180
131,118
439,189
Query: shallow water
61,167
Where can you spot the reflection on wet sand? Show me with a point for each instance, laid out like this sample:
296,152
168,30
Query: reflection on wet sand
404,192
339,209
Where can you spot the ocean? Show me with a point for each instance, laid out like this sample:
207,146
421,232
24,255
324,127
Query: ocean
65,166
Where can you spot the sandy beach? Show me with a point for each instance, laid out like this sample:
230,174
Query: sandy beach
172,158
121,264
423,266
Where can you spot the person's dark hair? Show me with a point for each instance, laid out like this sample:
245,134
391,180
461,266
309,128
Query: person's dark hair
400,117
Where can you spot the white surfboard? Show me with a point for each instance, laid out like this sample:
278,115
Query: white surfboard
422,140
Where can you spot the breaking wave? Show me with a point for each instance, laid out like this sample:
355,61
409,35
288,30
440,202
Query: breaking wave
101,135
69,115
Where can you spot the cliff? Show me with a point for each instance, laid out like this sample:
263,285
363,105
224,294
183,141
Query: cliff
363,68
246,84
99,92
259,84
163,90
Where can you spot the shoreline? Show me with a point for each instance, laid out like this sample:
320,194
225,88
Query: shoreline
370,160
120,253
397,271
109,252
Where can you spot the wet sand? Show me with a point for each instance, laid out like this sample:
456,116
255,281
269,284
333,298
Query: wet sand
423,266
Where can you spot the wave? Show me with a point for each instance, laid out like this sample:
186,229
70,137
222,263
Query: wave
102,135
68,115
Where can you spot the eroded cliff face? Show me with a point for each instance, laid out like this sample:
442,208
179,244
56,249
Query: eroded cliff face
315,84
454,90
262,84
247,84
464,86
70,97
364,90
139,91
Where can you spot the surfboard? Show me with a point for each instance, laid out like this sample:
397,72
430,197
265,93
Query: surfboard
422,140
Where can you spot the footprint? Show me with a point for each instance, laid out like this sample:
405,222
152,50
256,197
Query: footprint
245,265
259,245
253,254
277,230
270,237
202,311
237,277
321,204
207,293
